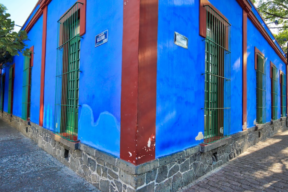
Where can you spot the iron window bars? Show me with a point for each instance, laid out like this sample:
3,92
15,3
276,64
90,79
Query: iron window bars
11,89
67,74
274,92
217,77
260,90
2,88
283,95
26,94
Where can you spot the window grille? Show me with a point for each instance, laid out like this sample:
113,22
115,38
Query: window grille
26,93
2,79
283,95
274,92
217,77
260,90
11,90
67,74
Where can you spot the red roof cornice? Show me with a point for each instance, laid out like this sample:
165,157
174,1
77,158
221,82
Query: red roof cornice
43,4
247,7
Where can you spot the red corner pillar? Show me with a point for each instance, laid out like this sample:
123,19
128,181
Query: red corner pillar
139,70
44,7
246,9
244,72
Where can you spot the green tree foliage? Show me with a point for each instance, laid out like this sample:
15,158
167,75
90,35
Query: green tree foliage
11,42
272,10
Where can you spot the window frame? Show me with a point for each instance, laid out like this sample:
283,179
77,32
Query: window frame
274,91
26,105
256,54
11,90
282,93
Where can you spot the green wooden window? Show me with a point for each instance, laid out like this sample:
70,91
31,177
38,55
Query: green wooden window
274,93
260,90
283,95
11,90
2,79
217,78
26,92
67,78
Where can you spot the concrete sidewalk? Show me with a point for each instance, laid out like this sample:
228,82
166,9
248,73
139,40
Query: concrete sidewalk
26,167
263,167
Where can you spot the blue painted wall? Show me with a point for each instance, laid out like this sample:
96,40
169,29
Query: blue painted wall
35,39
100,78
180,79
256,13
31,16
255,38
180,83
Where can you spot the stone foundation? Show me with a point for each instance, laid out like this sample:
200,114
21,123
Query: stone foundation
169,173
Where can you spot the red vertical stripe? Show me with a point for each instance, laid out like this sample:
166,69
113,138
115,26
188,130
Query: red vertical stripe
82,17
244,71
139,69
44,38
129,92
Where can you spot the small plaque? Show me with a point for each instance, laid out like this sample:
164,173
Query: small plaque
101,38
181,40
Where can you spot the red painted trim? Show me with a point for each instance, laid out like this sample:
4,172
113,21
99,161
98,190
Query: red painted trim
43,4
202,16
271,75
34,20
246,6
139,69
281,73
244,71
13,81
30,15
44,39
147,80
129,93
83,17
32,56
257,51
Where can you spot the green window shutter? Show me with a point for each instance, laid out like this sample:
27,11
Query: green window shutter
67,75
260,90
283,95
1,92
275,93
217,78
26,87
10,90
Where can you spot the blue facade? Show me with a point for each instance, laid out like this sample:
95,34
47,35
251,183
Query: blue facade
180,73
99,101
180,79
255,39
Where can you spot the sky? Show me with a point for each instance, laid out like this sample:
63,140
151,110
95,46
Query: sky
19,10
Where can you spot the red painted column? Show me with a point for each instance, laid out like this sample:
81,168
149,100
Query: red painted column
139,69
43,59
244,72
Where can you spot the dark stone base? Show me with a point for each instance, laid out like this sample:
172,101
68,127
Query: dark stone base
169,173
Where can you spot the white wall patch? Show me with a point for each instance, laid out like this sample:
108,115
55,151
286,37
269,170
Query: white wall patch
199,137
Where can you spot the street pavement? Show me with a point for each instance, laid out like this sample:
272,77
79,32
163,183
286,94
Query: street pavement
263,167
26,167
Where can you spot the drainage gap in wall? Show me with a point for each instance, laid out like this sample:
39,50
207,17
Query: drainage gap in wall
26,129
214,157
66,153
259,134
